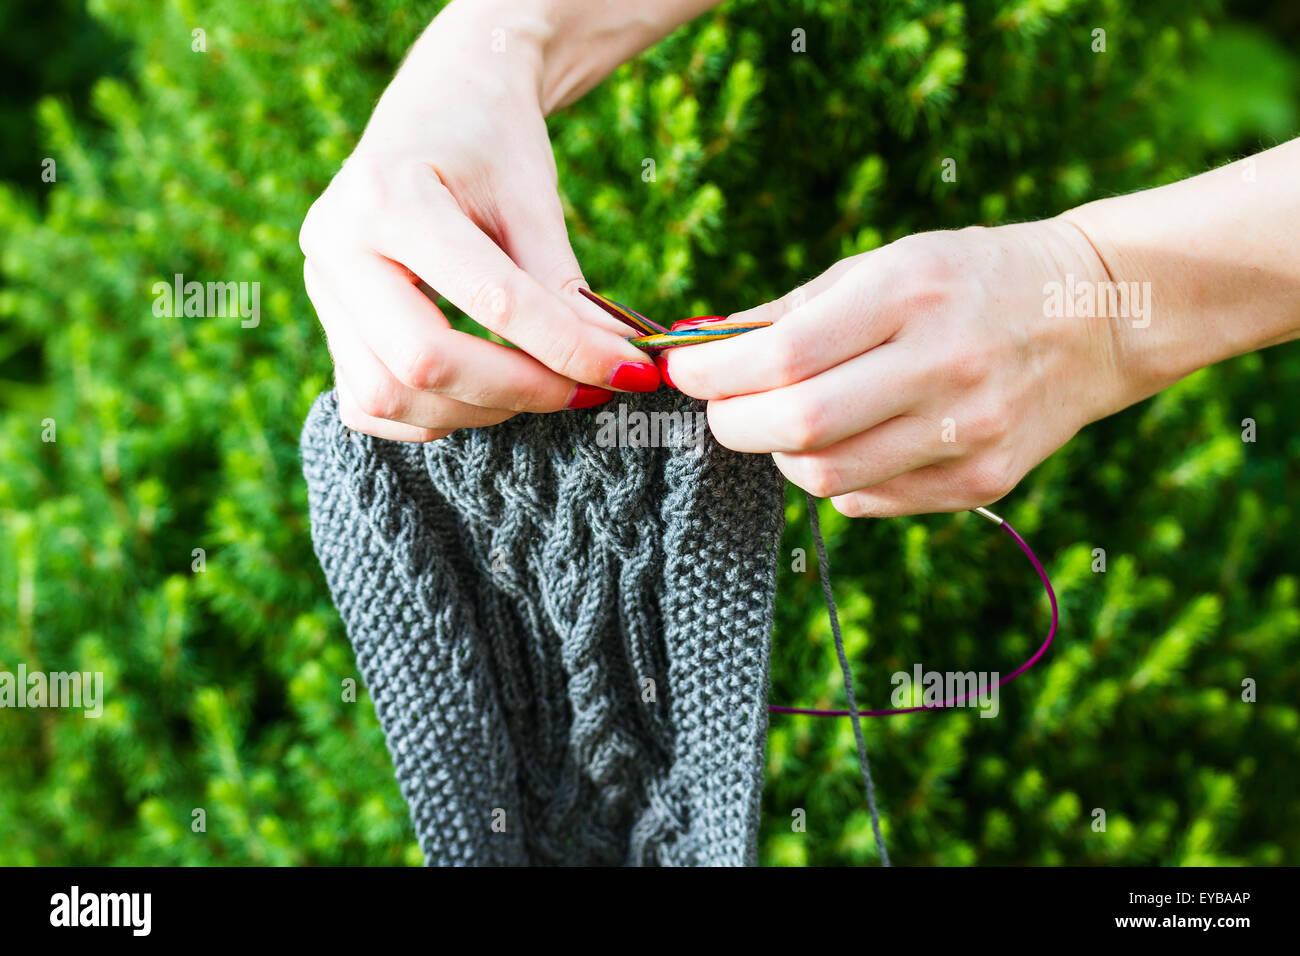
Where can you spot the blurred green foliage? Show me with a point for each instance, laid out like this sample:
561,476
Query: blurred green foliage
224,686
50,48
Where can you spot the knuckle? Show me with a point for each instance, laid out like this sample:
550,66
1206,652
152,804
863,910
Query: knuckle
425,369
352,417
379,181
795,299
917,296
989,421
987,481
776,309
570,284
367,182
967,367
928,280
801,426
492,303
851,506
311,232
380,399
409,182
821,480
785,367
923,258
722,431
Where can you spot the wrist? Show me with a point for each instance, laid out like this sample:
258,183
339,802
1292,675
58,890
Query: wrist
494,41
559,48
1214,258
1145,361
571,45
1088,362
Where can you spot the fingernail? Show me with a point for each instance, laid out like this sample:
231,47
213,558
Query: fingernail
585,396
635,377
661,363
695,322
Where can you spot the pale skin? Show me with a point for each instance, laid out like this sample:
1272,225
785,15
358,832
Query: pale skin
924,376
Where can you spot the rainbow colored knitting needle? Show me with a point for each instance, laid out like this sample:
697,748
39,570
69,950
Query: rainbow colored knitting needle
714,331
624,314
655,338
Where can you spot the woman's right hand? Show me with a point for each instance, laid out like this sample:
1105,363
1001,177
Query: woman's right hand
453,185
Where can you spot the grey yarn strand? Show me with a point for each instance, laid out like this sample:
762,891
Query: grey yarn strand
825,568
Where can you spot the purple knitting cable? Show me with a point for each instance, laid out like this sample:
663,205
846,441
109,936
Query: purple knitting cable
1051,633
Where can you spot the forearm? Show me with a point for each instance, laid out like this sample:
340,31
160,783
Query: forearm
1221,252
565,46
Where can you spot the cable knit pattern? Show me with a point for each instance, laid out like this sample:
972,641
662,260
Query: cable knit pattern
510,592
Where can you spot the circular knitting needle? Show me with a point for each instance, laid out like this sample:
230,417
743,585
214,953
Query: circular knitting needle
655,338
892,712
624,314
712,332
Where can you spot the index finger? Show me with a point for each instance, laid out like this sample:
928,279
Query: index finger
841,321
452,255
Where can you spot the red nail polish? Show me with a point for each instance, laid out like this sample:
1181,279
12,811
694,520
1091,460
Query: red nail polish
635,377
661,363
696,322
585,396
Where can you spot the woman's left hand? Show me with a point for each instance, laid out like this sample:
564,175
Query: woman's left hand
929,375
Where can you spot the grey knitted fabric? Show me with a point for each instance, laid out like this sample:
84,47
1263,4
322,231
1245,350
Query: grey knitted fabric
509,593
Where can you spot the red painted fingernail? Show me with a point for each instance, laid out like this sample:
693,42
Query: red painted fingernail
696,322
661,363
585,396
635,377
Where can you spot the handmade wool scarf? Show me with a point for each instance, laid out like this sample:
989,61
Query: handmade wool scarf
566,640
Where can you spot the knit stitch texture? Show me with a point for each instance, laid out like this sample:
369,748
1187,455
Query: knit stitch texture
511,592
